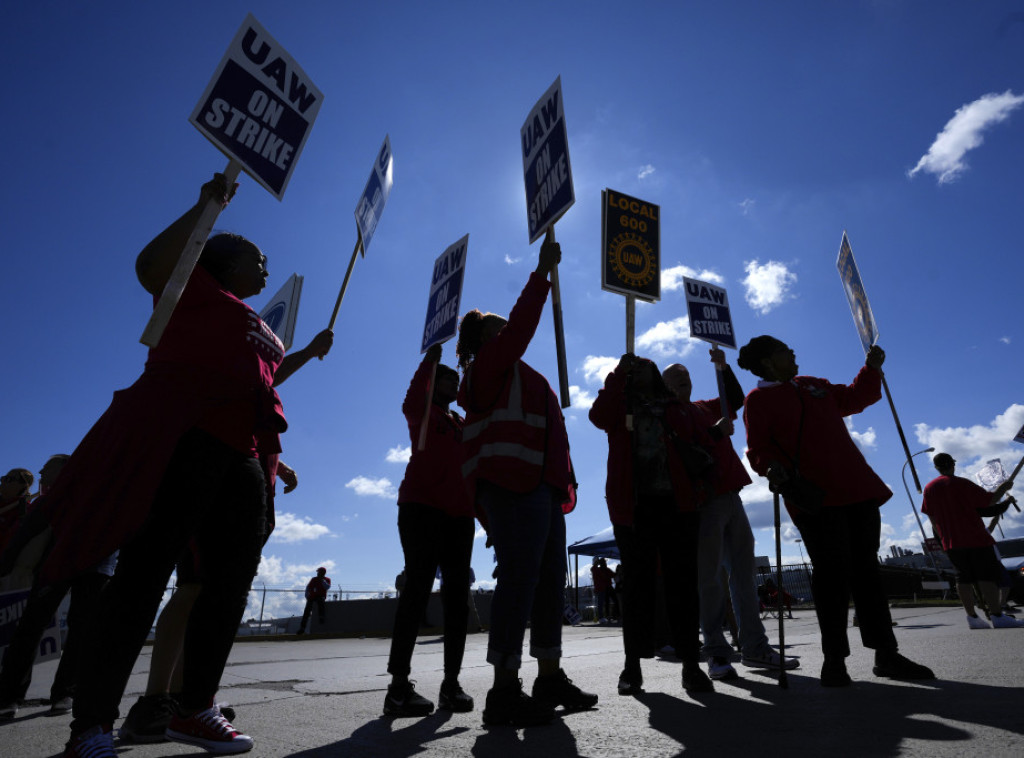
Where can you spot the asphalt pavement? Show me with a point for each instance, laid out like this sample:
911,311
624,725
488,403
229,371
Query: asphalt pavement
322,698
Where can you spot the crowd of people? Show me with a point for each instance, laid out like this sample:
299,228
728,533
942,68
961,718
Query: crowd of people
180,471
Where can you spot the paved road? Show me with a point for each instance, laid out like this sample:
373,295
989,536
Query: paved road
322,698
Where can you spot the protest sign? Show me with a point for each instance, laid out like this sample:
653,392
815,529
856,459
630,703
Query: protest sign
375,194
442,321
259,107
282,312
630,246
547,172
708,306
855,294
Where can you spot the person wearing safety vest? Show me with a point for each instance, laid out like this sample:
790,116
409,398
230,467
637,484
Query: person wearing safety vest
519,475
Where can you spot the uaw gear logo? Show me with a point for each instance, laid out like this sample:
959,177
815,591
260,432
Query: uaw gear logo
630,240
632,260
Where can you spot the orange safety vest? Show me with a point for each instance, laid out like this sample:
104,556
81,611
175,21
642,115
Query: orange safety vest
506,443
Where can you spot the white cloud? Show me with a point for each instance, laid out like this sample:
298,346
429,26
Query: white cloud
667,339
399,454
1005,340
580,399
977,443
364,486
767,286
510,260
746,206
292,528
945,157
864,440
597,367
672,278
645,171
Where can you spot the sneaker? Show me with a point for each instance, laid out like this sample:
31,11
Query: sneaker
1005,621
510,706
8,711
631,682
892,665
719,669
97,742
148,719
60,706
209,730
833,673
976,622
558,690
403,700
769,658
694,678
453,698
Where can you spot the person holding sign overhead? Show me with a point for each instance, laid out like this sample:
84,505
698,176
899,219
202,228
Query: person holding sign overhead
435,524
183,453
797,438
520,480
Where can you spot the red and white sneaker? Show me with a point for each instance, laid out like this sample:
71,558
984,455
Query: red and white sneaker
97,742
209,730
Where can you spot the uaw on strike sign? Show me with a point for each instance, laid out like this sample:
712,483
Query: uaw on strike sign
259,107
708,307
445,294
547,172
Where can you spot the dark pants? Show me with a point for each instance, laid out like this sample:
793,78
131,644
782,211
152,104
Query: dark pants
662,536
432,538
842,543
321,609
43,602
217,495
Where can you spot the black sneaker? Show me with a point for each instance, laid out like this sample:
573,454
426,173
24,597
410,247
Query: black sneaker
453,698
890,664
148,719
631,682
833,673
510,706
558,690
694,678
403,700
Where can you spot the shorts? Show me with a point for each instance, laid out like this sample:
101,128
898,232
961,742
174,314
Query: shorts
976,564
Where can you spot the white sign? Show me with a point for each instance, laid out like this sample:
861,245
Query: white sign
708,306
445,294
547,172
259,107
992,474
282,312
855,294
375,194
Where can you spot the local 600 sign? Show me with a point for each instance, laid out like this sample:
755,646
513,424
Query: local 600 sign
259,107
630,245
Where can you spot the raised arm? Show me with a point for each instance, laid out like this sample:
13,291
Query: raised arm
318,347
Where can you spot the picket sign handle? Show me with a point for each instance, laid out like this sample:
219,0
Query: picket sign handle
422,444
723,398
186,264
556,311
344,283
1017,470
903,438
630,323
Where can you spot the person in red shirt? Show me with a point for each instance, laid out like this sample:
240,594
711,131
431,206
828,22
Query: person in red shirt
955,506
602,577
519,476
435,525
316,594
796,423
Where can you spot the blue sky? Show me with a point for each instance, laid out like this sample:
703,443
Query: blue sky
763,130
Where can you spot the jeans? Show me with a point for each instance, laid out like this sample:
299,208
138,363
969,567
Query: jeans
662,536
528,534
842,542
726,540
431,539
217,495
321,610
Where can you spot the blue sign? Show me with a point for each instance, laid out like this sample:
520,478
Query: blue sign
857,297
708,307
547,172
445,293
259,107
375,195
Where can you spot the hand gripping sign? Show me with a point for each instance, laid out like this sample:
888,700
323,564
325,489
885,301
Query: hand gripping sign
258,109
442,322
368,212
547,175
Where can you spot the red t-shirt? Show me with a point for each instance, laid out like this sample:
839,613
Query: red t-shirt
951,502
